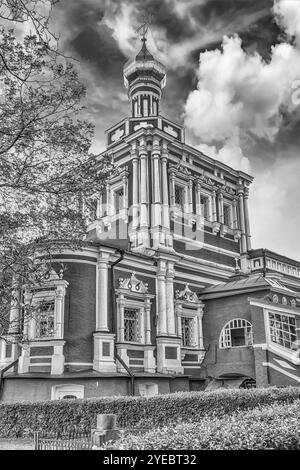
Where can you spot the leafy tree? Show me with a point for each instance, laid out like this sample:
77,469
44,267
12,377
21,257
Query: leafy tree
46,170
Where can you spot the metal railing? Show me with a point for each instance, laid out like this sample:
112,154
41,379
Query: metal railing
56,441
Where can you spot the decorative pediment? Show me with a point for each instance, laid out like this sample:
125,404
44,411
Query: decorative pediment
187,295
52,275
180,168
133,284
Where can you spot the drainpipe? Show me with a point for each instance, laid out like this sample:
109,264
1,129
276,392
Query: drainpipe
114,319
2,371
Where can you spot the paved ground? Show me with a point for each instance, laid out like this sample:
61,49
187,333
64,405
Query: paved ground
16,444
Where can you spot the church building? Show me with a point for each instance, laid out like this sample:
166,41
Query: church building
167,293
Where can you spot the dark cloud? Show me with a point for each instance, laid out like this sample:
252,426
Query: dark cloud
98,46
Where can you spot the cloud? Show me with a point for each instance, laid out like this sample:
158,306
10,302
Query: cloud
240,95
274,205
230,154
287,15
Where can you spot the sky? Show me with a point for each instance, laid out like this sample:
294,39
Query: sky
233,75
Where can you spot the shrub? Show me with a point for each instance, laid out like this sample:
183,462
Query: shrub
19,419
274,426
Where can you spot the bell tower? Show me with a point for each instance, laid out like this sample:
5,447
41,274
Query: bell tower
144,78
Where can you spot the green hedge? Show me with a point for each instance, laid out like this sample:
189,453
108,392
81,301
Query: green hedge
22,419
274,426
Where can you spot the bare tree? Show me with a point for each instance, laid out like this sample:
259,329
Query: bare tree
46,169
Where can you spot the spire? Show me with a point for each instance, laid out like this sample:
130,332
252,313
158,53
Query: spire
144,77
144,54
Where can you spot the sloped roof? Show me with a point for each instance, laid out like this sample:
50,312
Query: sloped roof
240,284
144,54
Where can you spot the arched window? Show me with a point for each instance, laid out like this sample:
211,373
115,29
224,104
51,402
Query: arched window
236,333
149,389
67,391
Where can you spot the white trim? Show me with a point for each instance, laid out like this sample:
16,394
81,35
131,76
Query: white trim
78,363
275,308
284,372
66,260
260,345
38,364
139,273
185,366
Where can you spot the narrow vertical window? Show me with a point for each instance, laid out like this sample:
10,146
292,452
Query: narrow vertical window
131,325
227,215
204,201
179,197
187,331
119,200
45,320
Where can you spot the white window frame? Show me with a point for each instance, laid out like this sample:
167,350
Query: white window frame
207,196
191,318
148,389
139,314
67,389
195,314
184,187
37,320
56,292
223,339
140,307
227,204
268,329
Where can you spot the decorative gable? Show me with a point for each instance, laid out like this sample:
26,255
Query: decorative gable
187,295
132,284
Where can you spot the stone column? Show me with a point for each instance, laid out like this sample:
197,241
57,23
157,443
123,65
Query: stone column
161,298
235,219
190,197
59,309
165,198
170,299
14,316
120,319
200,330
135,194
142,326
198,198
240,193
221,207
156,192
102,292
147,322
144,192
214,207
247,221
178,313
172,179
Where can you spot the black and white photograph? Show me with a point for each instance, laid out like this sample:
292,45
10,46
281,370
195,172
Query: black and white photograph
149,228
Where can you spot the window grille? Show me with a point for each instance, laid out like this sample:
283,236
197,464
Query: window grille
45,320
131,325
187,331
237,332
179,197
205,207
282,329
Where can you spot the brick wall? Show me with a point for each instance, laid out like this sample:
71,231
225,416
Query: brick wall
219,361
39,389
80,312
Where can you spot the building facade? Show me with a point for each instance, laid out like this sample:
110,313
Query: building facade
167,293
